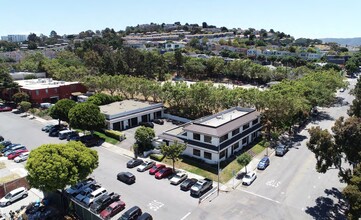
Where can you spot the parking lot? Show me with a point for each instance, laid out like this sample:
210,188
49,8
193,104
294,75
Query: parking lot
157,197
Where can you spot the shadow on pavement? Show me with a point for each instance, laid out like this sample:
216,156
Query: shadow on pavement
321,116
327,207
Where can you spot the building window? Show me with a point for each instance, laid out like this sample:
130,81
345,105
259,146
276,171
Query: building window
222,154
223,138
255,121
37,92
245,127
196,136
196,152
207,155
244,141
207,139
235,131
235,146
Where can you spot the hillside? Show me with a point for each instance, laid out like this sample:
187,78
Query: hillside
344,41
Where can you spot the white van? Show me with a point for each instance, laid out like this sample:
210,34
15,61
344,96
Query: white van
94,196
14,195
22,157
64,134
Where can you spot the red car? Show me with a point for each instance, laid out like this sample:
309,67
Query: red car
112,209
16,153
156,168
5,108
166,171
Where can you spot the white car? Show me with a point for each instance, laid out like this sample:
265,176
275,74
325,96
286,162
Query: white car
249,178
146,165
88,201
13,196
178,178
22,157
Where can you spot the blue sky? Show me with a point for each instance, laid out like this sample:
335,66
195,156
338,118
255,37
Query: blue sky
301,18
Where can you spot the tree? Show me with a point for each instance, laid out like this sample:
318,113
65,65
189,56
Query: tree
25,106
20,96
61,109
54,166
143,137
352,192
86,116
355,108
244,159
173,151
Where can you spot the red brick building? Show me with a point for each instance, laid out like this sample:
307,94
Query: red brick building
48,90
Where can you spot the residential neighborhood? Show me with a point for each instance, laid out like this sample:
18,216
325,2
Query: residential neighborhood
110,117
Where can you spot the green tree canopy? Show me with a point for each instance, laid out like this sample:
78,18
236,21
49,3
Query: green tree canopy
55,166
352,192
86,116
143,137
25,106
244,159
173,151
21,96
61,109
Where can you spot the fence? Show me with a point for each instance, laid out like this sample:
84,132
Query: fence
9,186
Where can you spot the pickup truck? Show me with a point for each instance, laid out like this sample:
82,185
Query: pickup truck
201,187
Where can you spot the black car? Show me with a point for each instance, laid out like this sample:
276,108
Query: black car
73,137
187,184
46,128
54,132
158,121
91,140
1,138
126,177
132,213
147,124
134,162
145,216
103,202
5,143
9,147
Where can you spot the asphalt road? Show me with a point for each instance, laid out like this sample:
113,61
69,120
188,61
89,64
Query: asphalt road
157,197
290,188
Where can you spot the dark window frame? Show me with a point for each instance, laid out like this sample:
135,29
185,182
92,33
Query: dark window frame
207,155
196,152
196,135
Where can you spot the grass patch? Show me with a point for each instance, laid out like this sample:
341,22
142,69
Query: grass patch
257,149
2,165
107,139
9,178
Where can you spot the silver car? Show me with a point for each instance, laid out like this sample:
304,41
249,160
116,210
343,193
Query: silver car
13,196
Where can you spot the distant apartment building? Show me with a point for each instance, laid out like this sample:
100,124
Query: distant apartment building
15,38
217,137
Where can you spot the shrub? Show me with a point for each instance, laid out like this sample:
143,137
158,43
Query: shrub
157,157
1,147
115,134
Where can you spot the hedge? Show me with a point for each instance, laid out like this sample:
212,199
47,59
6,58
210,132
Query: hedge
115,134
157,157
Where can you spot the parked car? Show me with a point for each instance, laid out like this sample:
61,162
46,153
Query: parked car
91,140
112,209
126,177
64,134
88,201
5,108
249,178
201,186
281,150
146,165
263,163
86,191
47,127
147,124
134,162
1,138
13,196
16,153
158,121
178,178
105,200
163,173
22,157
73,137
145,216
5,143
54,132
187,184
18,147
9,147
342,89
132,213
73,190
156,168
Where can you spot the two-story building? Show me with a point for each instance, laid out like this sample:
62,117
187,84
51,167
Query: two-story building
129,113
218,136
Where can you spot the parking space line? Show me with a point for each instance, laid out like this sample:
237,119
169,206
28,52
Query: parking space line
184,217
263,197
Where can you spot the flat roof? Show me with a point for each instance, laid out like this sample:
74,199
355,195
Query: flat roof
124,106
224,118
43,83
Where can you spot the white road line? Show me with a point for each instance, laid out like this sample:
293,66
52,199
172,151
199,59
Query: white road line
184,217
263,197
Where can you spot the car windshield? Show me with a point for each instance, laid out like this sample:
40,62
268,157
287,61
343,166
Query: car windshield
109,209
248,176
8,196
197,185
